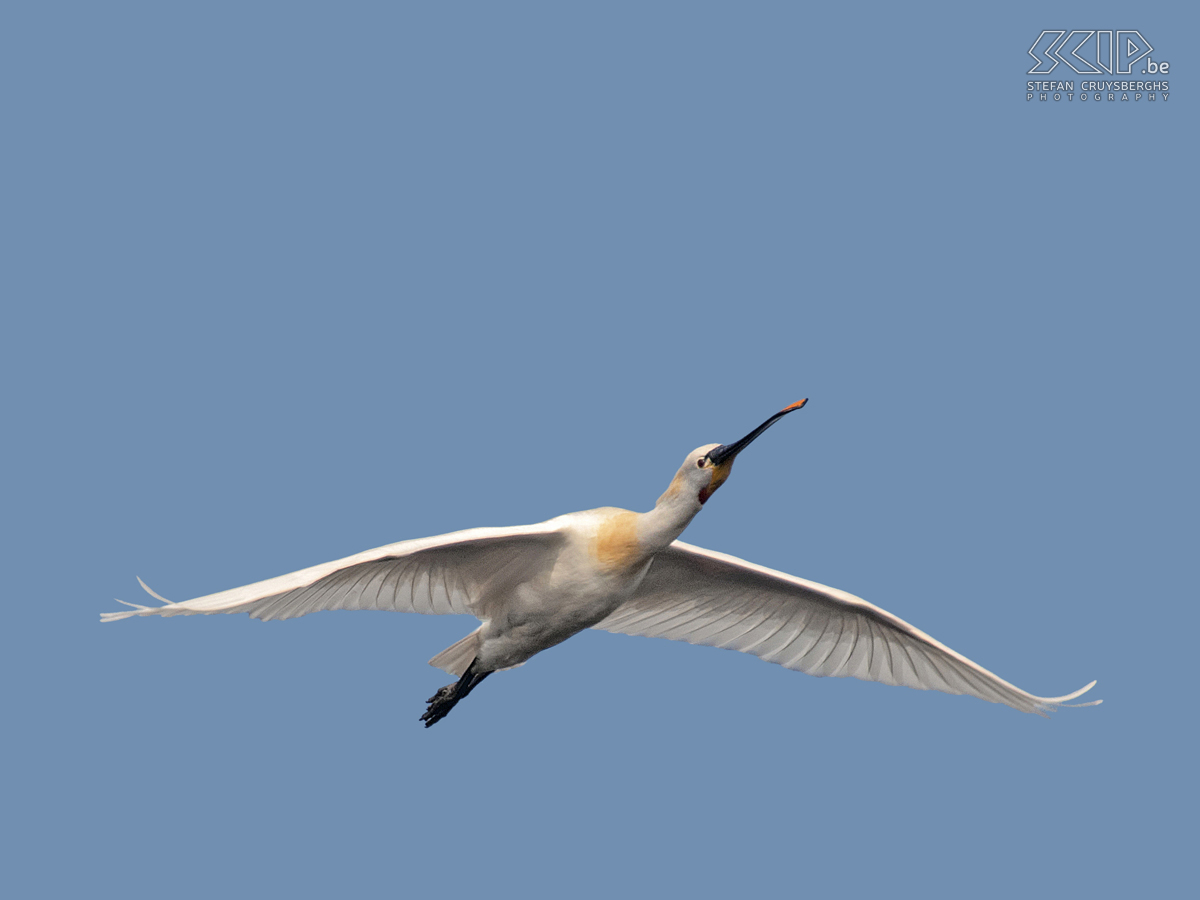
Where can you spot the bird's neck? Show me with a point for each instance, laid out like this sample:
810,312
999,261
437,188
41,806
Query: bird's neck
663,524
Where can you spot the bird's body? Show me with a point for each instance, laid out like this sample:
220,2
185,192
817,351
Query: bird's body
596,565
534,586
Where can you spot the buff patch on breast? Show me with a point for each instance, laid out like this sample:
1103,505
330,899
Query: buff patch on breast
616,544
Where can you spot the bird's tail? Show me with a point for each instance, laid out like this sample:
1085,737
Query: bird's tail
454,660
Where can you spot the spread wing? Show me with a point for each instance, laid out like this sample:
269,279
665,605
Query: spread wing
438,575
702,597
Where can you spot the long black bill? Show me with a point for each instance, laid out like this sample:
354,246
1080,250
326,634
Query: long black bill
729,451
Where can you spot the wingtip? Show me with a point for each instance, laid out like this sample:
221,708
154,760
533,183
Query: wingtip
1052,703
122,614
138,609
150,591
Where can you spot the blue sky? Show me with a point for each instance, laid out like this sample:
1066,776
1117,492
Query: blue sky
287,281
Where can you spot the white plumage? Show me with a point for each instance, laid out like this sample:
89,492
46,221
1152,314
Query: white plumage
534,586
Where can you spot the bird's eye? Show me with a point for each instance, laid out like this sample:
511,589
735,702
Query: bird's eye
702,462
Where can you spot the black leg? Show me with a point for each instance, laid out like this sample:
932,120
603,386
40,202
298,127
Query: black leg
443,701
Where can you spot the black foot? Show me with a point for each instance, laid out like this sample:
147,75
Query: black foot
444,700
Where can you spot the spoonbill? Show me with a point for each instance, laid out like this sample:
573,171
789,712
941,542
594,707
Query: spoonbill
533,586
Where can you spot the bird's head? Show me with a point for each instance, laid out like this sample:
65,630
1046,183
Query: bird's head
706,468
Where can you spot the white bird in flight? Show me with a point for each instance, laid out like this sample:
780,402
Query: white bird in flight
533,586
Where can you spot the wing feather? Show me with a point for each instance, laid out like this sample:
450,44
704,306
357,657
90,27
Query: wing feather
709,598
438,575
